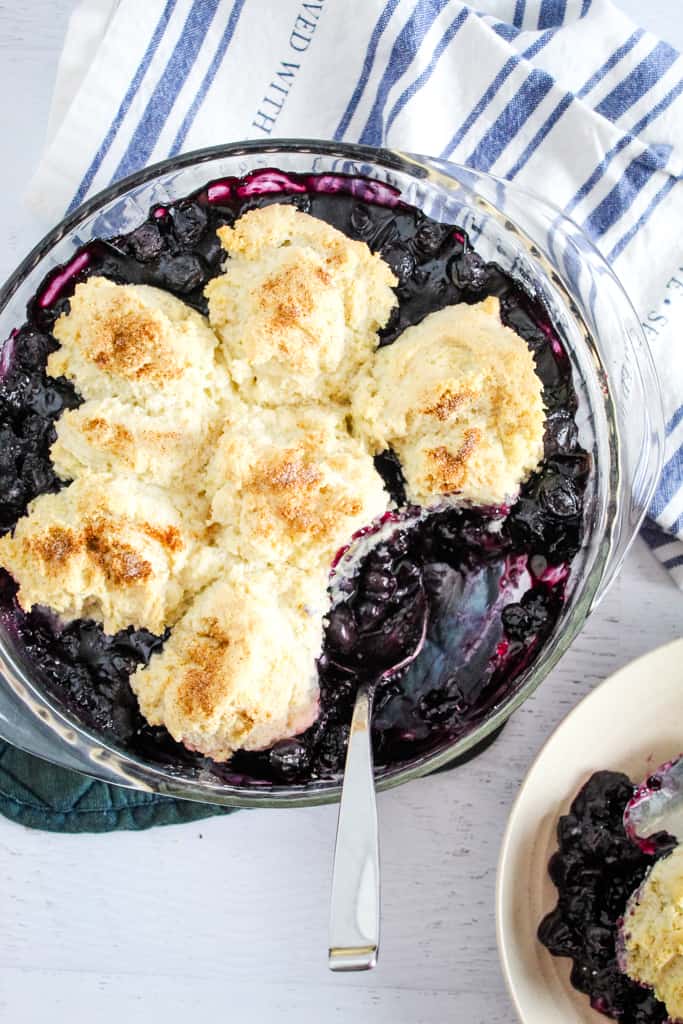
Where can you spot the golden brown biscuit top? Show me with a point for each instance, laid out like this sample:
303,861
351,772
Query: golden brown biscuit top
653,932
288,296
108,547
298,307
239,669
291,485
458,399
448,469
138,344
130,341
270,227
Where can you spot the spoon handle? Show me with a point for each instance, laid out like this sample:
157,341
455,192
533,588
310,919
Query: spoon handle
354,915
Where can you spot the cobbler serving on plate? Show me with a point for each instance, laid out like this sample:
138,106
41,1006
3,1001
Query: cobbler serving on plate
619,914
240,440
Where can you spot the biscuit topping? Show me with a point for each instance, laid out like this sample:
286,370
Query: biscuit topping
106,547
458,399
292,485
238,671
138,344
653,933
111,436
298,306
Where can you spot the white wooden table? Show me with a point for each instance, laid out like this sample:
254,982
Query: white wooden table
226,919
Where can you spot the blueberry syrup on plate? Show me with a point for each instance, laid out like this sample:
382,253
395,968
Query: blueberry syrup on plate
596,869
495,587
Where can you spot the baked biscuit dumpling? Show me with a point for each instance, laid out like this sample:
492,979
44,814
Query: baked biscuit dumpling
458,399
108,548
238,671
110,436
298,307
291,485
139,344
652,933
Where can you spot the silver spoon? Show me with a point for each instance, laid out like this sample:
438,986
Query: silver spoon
355,904
657,805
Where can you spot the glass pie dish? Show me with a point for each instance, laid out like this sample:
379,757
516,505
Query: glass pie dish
619,419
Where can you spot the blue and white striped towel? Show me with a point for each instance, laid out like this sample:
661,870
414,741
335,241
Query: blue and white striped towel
567,97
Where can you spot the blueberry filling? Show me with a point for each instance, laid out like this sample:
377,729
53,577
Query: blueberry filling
494,593
596,869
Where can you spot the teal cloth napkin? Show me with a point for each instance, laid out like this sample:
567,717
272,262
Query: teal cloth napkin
40,795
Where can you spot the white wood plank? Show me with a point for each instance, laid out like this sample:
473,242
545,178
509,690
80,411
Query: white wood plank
113,998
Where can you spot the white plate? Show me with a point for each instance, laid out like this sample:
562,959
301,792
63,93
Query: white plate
631,723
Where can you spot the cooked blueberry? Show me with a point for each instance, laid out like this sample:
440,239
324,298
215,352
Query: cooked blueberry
35,429
386,235
189,223
559,497
14,390
13,492
59,308
111,267
68,395
527,525
47,401
400,260
537,607
289,760
468,271
37,475
338,685
516,316
429,237
146,242
31,349
331,753
573,467
138,644
368,614
301,201
123,722
212,252
558,395
11,447
556,934
379,585
362,222
568,830
408,578
341,632
516,622
438,707
181,273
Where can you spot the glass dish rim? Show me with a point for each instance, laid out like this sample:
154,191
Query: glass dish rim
157,778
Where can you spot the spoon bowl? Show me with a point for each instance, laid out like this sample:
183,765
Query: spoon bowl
657,805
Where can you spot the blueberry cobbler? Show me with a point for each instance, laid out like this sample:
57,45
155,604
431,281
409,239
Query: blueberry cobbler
619,915
246,444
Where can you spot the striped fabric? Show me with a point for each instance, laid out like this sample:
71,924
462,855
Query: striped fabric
567,97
